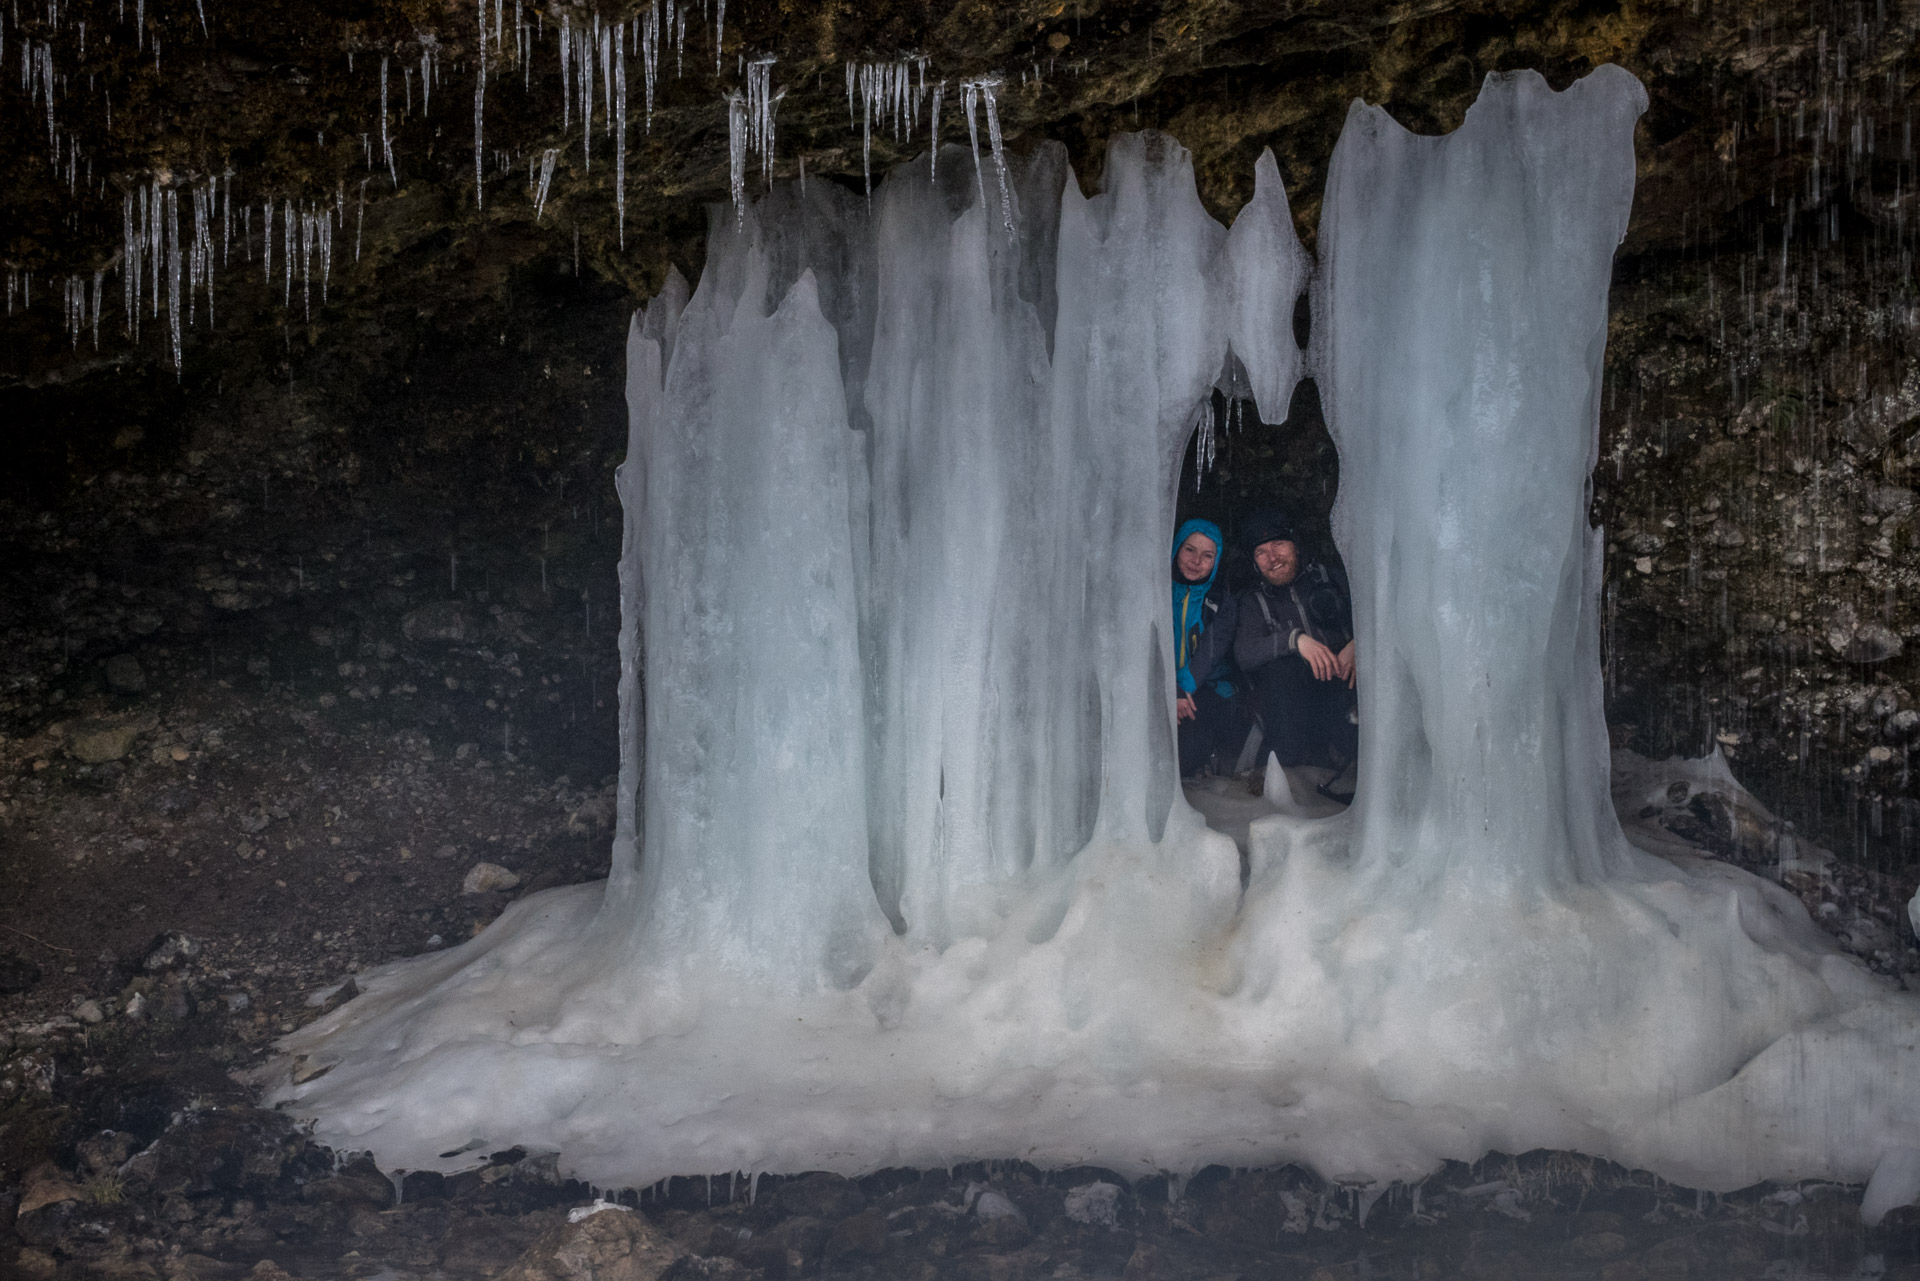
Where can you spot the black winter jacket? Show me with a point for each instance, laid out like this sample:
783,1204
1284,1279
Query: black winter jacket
1272,619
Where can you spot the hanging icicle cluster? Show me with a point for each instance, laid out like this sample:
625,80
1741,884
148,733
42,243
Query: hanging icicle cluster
892,94
972,93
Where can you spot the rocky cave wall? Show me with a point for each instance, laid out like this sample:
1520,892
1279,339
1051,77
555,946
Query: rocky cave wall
435,431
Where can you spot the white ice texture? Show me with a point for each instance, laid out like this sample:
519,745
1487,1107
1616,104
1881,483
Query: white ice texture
903,875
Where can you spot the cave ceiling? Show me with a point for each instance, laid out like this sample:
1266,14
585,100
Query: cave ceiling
282,102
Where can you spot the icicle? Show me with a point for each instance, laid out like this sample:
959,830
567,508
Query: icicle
361,225
866,128
933,134
99,291
719,35
737,153
426,77
286,249
546,178
386,143
761,101
479,114
200,8
606,71
173,271
129,265
649,45
566,72
584,76
620,131
226,218
999,152
969,97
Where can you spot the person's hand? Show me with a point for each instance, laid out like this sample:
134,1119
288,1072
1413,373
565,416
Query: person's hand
1344,663
1321,659
1187,708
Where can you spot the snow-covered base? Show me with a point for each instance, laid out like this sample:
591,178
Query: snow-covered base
1143,1015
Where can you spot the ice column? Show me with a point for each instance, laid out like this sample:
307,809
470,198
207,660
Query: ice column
1137,345
755,831
972,786
1460,333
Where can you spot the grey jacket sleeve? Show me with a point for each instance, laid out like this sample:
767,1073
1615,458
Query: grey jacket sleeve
1256,642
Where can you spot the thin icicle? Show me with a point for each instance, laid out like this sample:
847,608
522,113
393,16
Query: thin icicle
620,131
969,100
648,42
479,117
606,71
566,72
546,178
737,152
287,233
999,152
361,225
386,141
761,101
933,163
719,34
583,76
173,274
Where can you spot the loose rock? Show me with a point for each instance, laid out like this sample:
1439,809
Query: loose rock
609,1246
484,878
17,974
124,674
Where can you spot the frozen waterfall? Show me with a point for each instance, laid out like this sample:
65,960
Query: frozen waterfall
903,874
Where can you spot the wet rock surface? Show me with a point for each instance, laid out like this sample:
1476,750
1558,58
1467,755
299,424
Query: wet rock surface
261,1203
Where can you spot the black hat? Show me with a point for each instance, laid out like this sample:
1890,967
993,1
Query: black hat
1267,527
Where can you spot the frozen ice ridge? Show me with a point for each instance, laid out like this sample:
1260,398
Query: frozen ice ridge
902,873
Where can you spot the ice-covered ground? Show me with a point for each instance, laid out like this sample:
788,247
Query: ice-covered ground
903,874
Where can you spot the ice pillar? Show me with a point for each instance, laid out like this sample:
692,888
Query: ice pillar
1460,330
973,786
1138,343
755,851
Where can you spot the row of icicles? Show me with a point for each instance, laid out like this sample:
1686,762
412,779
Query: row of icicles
896,97
167,253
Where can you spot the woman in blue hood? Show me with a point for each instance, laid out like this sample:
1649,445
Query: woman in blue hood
1203,629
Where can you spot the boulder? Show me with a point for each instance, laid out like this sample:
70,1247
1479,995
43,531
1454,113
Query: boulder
229,1149
95,742
613,1244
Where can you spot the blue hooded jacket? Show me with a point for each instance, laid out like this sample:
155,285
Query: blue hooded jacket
1190,614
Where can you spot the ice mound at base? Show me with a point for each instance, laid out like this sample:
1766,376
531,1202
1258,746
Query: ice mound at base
903,875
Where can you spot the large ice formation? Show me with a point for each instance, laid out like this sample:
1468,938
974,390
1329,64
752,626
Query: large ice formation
903,874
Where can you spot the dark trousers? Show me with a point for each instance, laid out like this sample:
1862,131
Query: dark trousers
1303,721
1214,735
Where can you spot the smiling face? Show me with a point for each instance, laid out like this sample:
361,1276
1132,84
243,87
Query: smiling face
1195,558
1277,561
